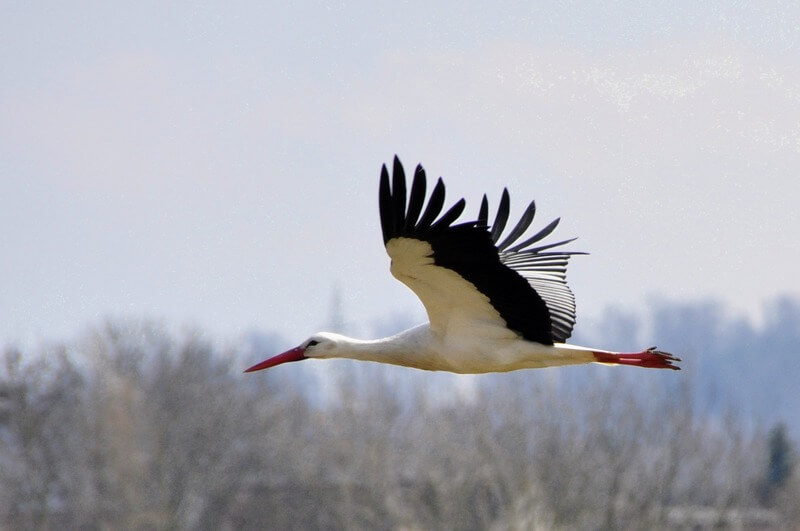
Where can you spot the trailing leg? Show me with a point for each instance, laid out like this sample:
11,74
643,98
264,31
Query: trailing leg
650,358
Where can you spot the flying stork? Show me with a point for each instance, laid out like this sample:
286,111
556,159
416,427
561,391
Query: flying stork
494,304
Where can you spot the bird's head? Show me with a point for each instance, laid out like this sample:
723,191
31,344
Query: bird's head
320,345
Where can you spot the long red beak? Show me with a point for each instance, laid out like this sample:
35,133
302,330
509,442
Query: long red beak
296,354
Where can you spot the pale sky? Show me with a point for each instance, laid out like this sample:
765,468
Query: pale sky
217,165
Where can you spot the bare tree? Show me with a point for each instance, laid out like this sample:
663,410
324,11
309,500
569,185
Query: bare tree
42,459
139,427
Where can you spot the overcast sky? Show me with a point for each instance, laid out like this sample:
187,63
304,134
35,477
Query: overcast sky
217,165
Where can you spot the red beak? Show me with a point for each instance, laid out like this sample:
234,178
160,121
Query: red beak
296,354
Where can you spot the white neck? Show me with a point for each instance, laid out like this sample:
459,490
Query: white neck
406,348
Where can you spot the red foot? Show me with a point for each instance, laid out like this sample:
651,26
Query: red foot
650,358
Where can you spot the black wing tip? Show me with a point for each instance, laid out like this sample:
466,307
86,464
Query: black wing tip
509,244
400,215
405,215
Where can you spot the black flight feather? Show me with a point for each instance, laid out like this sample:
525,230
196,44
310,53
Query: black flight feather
416,199
522,226
483,215
502,216
435,204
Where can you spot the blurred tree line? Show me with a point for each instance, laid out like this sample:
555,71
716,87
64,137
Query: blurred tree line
138,427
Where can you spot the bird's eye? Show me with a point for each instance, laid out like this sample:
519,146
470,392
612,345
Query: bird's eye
312,343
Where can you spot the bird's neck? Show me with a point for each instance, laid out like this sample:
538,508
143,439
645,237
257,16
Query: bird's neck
380,350
401,349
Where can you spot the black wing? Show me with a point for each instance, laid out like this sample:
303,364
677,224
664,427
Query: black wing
525,285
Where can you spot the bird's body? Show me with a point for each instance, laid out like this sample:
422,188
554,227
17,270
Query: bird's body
494,305
419,348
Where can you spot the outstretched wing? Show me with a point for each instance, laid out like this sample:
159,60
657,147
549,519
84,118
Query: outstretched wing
466,281
544,269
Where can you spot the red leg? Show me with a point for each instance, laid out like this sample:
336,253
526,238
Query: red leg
650,358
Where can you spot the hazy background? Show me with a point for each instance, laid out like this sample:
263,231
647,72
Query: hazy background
218,165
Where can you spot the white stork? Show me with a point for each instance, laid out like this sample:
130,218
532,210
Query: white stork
494,304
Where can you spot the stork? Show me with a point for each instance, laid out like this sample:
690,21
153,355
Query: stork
494,304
